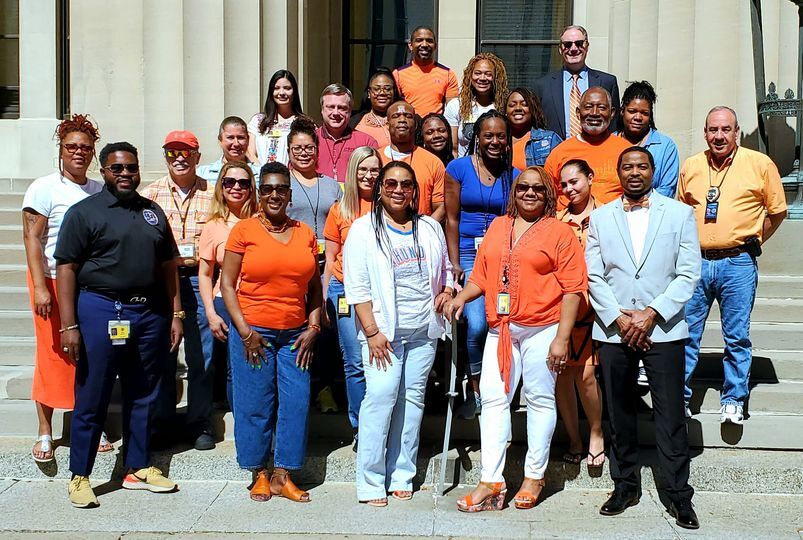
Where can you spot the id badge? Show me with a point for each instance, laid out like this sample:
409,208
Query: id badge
187,251
503,303
119,331
477,241
321,246
711,211
343,307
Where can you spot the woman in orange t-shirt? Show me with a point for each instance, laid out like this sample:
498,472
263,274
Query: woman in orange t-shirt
531,270
272,290
575,181
361,173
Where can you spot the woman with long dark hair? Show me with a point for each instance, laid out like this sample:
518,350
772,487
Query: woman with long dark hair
379,93
435,135
397,277
532,141
269,128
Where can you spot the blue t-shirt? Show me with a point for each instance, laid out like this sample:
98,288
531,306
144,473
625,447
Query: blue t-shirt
479,204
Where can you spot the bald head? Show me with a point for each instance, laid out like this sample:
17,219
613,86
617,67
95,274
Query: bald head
595,112
401,123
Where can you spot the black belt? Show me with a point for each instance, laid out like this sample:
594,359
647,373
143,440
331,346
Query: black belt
126,298
716,254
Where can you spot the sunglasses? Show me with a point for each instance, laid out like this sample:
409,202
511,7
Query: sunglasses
392,185
173,154
229,182
538,189
577,43
266,190
73,148
118,168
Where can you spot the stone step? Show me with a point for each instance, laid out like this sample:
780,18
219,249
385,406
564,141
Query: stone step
769,366
16,323
11,234
13,274
770,310
12,253
15,185
14,297
10,216
765,335
11,200
777,286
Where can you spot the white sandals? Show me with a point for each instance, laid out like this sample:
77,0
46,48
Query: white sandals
45,445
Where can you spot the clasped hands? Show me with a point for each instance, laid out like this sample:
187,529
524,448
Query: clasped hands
635,326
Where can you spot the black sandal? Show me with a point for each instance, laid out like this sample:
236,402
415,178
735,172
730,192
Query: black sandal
595,456
572,458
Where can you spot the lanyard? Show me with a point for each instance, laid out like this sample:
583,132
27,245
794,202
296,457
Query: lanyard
317,201
188,202
486,208
714,191
331,151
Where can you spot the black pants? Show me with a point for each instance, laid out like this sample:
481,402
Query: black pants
664,363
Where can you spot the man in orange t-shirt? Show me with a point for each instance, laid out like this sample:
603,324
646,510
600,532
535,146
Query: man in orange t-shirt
595,144
426,84
429,170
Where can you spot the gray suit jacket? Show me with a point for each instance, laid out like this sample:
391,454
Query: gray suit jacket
663,279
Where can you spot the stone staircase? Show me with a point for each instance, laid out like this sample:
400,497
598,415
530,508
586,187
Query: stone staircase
775,408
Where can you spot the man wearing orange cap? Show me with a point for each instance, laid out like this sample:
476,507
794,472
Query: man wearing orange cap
185,198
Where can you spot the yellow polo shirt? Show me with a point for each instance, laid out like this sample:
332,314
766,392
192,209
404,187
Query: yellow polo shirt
751,190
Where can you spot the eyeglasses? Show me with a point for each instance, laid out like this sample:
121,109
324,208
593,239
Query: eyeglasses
538,189
577,43
118,168
229,182
174,154
73,148
266,190
301,150
381,89
365,171
392,185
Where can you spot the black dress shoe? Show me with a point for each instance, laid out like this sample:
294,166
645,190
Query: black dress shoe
683,512
619,501
204,441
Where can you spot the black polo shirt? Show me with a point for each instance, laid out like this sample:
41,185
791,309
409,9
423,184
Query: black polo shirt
119,245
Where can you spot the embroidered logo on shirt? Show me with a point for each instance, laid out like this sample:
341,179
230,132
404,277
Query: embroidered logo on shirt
150,216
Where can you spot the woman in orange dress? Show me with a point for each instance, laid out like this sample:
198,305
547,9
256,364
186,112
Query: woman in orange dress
575,181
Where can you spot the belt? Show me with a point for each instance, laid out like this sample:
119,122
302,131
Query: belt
187,271
125,298
716,254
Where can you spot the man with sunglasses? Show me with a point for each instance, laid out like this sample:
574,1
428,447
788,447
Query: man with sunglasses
233,139
560,91
120,313
185,198
425,83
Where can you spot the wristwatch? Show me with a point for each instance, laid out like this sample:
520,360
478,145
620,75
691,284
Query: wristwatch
179,315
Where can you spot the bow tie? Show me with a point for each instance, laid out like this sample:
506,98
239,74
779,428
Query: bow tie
629,204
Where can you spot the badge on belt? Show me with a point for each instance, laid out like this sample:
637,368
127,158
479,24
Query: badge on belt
119,329
343,307
187,250
321,246
478,241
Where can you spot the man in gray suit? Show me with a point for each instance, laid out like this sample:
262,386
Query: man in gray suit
643,258
560,91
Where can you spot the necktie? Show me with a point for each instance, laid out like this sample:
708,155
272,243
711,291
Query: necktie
574,103
628,204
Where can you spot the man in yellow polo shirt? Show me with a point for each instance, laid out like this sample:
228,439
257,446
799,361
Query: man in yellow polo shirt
739,202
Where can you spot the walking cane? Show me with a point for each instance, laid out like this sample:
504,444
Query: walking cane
451,394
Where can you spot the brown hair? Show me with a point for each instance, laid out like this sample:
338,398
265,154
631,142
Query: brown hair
551,195
219,209
499,87
78,122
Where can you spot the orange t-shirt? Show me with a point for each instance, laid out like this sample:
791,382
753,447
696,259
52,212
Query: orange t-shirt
337,229
380,133
519,159
426,88
602,159
274,276
429,173
212,245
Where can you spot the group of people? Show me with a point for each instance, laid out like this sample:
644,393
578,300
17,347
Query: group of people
556,222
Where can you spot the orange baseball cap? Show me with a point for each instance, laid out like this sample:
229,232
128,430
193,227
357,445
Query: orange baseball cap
180,137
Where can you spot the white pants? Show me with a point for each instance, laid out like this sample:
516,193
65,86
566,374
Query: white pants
530,347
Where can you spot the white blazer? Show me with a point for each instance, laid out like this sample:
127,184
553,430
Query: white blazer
368,273
664,278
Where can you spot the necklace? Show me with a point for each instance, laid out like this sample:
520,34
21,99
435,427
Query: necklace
375,121
275,229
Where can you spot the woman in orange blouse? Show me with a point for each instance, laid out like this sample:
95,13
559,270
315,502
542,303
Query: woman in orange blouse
575,182
272,290
531,270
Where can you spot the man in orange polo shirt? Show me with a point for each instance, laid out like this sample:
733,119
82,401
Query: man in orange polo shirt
426,84
596,144
739,202
429,170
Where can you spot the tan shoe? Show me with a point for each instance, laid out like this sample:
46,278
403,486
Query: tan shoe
150,479
81,494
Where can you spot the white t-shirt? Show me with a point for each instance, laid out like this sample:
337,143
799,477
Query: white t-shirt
411,276
51,196
271,145
464,129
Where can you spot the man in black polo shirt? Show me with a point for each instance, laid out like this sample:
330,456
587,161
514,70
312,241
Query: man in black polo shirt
116,277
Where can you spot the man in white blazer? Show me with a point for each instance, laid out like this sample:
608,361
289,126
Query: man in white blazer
643,258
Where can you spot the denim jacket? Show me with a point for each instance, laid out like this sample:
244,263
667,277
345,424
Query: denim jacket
541,143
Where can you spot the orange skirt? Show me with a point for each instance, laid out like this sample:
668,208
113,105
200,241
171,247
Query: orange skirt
54,375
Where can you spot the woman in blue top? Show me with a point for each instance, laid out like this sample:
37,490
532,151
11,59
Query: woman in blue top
477,190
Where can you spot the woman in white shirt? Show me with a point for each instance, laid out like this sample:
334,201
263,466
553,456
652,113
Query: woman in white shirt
397,276
269,129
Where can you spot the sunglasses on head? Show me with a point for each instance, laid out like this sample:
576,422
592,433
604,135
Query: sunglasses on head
117,168
73,148
171,153
538,189
229,182
577,43
392,185
265,190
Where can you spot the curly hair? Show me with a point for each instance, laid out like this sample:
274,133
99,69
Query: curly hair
498,89
551,195
78,122
303,125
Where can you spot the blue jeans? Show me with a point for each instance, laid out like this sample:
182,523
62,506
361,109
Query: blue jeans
732,283
390,416
271,401
350,348
220,349
476,322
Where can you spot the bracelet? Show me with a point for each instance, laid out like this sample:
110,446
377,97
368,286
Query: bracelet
246,338
372,335
68,328
315,326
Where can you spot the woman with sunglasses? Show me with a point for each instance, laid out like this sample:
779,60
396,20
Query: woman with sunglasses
234,199
435,135
532,141
272,290
477,191
43,208
372,119
361,172
269,129
530,269
397,278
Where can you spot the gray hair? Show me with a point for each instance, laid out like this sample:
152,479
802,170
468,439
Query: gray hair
575,27
719,108
597,89
336,89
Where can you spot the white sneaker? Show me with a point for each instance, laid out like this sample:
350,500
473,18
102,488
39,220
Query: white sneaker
731,412
688,412
642,375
